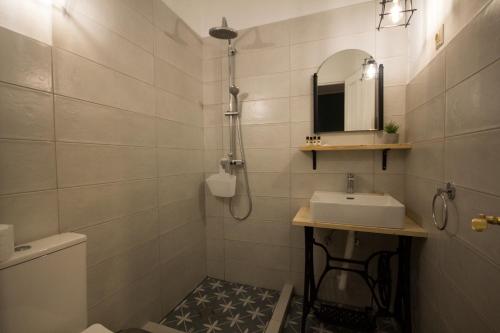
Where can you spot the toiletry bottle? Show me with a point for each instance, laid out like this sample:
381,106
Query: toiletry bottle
318,142
308,140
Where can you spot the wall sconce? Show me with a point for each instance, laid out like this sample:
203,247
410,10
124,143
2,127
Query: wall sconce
369,69
398,11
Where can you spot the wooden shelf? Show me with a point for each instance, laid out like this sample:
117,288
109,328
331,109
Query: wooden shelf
410,228
356,147
385,147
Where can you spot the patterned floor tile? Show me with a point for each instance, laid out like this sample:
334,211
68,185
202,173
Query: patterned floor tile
313,325
218,306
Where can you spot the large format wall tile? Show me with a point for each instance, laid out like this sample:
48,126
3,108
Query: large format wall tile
259,62
475,47
80,121
82,164
120,270
114,311
427,121
84,206
471,161
426,160
111,238
77,77
174,27
144,7
34,215
349,20
472,105
263,37
178,54
24,61
176,108
26,166
429,83
127,18
80,35
25,113
264,87
301,56
172,79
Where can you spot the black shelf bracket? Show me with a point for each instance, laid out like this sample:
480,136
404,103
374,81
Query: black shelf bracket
384,159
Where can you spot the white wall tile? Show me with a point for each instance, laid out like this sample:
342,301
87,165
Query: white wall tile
80,35
25,62
80,121
89,205
26,166
77,77
25,113
82,164
34,215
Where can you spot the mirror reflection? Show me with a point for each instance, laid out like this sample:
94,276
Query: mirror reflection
347,93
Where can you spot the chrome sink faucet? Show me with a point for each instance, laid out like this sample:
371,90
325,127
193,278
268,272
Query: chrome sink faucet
350,183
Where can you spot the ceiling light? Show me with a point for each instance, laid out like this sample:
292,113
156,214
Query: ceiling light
399,11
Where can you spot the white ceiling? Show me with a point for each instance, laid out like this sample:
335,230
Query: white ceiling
200,15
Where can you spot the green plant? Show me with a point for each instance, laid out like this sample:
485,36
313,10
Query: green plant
391,127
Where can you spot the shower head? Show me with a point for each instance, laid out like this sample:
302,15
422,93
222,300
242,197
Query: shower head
234,90
223,32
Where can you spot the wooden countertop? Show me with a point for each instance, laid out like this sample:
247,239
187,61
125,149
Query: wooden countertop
380,146
303,219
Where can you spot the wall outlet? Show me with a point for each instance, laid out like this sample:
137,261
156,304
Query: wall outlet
439,37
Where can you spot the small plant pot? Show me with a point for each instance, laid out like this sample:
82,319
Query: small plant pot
391,137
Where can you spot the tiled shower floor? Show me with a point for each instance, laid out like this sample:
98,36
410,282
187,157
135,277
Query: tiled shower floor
218,306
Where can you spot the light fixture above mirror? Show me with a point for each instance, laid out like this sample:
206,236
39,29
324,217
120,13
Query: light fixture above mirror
397,12
348,93
369,69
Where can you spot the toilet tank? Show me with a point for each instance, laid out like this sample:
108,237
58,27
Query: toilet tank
43,289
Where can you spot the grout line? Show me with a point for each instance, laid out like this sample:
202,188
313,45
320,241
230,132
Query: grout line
47,92
465,78
58,204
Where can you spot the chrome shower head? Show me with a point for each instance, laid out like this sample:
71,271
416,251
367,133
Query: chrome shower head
223,32
234,90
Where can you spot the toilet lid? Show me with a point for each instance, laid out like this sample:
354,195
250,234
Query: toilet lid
97,328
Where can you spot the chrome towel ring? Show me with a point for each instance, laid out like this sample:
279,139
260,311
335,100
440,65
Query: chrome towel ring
443,193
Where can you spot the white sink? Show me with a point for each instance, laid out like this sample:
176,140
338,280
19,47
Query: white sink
364,209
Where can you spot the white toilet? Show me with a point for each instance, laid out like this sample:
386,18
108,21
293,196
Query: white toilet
43,288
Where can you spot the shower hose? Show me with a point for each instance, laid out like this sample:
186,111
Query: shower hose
245,176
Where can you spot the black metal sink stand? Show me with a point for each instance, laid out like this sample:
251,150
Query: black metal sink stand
380,285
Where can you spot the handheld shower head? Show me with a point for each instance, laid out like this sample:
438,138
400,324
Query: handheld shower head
234,90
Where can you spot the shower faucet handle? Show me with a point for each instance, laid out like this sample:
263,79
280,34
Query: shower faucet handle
236,162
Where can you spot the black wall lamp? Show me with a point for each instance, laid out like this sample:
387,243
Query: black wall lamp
398,12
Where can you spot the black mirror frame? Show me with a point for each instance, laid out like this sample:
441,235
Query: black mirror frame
379,100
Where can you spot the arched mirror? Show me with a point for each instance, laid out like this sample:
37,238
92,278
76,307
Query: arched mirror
348,93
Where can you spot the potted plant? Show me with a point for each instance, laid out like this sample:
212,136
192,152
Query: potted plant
391,132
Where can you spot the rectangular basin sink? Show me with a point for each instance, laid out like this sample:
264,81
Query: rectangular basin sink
362,209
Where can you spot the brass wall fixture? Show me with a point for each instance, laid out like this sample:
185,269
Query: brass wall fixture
481,222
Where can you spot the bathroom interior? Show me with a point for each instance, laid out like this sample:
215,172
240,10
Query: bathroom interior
249,166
